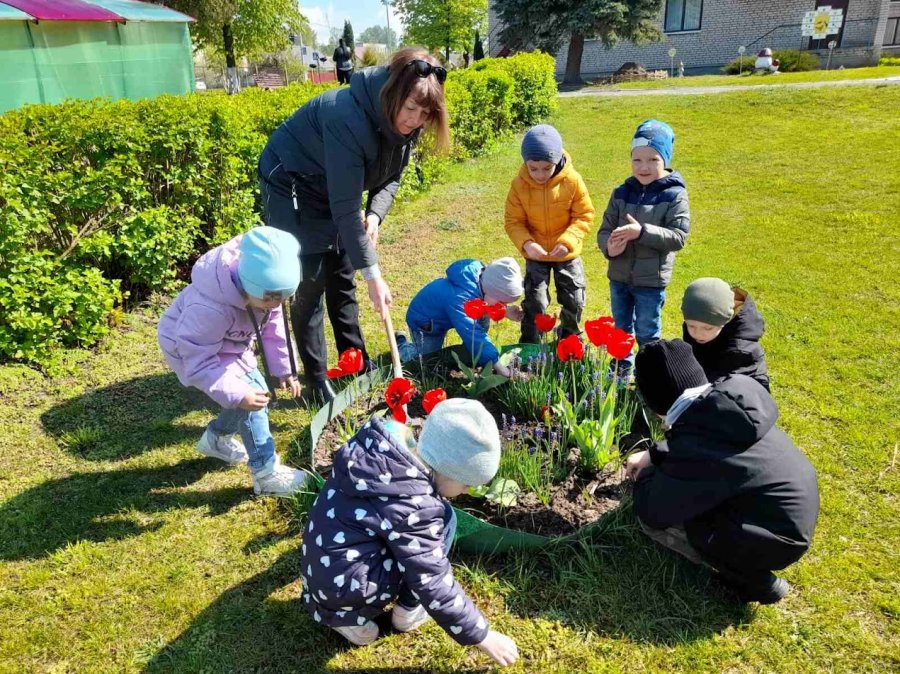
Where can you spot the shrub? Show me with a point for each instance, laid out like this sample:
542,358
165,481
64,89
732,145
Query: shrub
115,200
795,61
889,61
792,61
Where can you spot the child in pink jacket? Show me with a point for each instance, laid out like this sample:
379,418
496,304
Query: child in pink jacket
207,337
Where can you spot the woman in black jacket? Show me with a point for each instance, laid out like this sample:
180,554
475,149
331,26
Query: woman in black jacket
313,173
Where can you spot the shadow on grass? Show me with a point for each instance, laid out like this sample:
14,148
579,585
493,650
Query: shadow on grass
616,582
95,506
126,418
245,630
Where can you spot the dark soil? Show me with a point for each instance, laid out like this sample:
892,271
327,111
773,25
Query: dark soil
579,500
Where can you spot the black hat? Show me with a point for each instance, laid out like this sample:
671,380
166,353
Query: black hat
664,370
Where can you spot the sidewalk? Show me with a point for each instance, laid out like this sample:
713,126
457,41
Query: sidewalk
688,91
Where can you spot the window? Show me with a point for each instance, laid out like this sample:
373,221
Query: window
683,15
892,32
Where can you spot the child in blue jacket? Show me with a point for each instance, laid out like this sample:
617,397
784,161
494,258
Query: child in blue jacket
381,528
439,307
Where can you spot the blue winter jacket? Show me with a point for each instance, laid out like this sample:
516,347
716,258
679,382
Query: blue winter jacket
438,307
380,520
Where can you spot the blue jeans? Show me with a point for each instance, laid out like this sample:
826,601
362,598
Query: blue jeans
422,342
637,310
406,599
253,427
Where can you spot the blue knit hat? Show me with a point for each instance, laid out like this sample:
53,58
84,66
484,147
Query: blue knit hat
656,135
542,143
269,262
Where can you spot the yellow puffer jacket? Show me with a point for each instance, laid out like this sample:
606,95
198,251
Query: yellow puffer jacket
559,211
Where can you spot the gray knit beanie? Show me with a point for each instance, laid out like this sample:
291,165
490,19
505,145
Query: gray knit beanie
460,440
502,280
542,143
708,300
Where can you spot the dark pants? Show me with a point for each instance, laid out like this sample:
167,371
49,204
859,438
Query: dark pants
330,275
343,76
570,293
406,598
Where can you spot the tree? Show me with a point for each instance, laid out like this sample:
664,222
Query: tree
242,27
545,25
378,35
478,51
446,24
348,36
328,48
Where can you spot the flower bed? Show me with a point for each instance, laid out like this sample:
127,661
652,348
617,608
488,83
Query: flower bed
564,420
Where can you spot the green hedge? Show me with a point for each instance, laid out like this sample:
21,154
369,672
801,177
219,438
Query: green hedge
792,61
103,202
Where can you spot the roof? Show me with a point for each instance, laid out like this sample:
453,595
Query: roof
88,10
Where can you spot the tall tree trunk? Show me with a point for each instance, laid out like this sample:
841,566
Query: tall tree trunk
573,60
232,81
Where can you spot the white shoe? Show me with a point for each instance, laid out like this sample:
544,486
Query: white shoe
409,619
280,481
363,635
227,448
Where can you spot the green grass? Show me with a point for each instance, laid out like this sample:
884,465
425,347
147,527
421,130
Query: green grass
748,79
121,550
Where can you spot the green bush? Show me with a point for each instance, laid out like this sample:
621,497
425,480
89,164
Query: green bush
115,200
792,61
889,61
795,61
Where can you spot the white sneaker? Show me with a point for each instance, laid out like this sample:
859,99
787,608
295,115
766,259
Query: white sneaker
363,635
409,619
281,481
227,448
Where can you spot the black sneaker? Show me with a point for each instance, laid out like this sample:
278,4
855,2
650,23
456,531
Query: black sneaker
770,591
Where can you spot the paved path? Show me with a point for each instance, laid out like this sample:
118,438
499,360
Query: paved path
689,91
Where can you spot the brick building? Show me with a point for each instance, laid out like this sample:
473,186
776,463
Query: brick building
706,34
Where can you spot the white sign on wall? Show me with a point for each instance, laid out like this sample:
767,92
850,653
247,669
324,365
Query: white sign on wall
822,22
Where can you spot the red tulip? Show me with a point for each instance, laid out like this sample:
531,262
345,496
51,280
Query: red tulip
546,414
335,373
399,392
475,309
351,361
620,344
570,348
497,312
432,398
598,331
545,322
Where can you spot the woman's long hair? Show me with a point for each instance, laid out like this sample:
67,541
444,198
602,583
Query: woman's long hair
403,83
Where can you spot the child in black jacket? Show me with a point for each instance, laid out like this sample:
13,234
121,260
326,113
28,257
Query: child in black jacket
727,487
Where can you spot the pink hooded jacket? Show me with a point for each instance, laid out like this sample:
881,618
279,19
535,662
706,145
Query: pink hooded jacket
207,337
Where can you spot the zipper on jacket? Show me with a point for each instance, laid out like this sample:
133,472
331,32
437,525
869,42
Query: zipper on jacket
294,195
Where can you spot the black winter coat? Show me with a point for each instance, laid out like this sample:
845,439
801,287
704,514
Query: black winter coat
746,495
328,153
736,350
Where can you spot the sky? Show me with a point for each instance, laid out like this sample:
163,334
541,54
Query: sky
361,13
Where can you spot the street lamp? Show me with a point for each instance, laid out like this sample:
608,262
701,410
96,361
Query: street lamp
387,15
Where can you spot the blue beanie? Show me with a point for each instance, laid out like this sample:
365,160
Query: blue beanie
542,143
269,262
656,135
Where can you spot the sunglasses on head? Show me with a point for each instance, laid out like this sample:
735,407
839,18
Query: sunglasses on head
424,69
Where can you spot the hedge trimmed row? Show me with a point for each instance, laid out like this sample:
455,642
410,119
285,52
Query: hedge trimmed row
103,202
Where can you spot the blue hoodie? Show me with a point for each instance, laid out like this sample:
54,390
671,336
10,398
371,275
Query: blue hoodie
377,521
438,307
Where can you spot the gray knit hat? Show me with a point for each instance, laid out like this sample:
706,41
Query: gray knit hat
502,280
708,300
542,143
460,440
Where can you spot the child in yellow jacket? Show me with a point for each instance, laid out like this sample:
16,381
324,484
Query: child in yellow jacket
548,214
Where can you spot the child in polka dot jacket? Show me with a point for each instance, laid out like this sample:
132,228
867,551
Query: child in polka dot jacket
381,528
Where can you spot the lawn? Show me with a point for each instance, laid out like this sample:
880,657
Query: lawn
121,550
749,79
